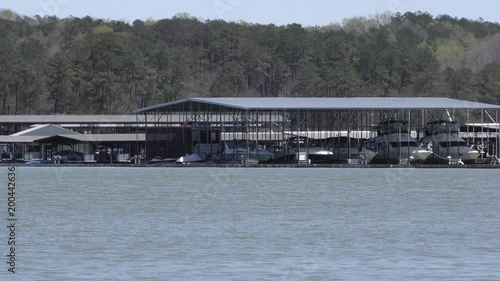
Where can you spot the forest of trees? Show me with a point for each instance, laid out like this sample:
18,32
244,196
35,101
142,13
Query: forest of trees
92,66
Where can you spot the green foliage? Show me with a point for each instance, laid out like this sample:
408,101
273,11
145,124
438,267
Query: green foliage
449,50
184,16
6,14
60,76
489,84
87,66
461,83
102,29
358,24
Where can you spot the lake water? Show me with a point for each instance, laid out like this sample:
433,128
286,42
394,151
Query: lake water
254,224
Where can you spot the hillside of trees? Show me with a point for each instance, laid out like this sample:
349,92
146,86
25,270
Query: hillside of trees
93,66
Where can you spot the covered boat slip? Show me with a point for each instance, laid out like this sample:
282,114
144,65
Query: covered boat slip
51,142
331,123
75,138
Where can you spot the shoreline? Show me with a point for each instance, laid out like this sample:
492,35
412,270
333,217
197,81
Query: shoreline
231,165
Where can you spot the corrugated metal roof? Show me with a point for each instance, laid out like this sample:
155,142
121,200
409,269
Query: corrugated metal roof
485,125
97,121
217,104
45,130
91,138
111,137
68,119
18,139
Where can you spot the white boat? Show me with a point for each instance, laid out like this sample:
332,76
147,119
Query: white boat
350,148
189,158
443,136
314,150
319,154
160,160
241,150
394,144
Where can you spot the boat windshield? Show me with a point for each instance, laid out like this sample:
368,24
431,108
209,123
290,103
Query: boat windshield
442,127
235,144
392,127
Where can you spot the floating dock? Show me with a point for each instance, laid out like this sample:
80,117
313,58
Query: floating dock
235,165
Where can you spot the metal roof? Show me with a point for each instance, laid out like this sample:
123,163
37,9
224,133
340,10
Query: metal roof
95,138
91,138
85,121
218,104
68,119
45,133
45,130
495,126
18,139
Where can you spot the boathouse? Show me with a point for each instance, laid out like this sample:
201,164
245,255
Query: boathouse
200,125
75,138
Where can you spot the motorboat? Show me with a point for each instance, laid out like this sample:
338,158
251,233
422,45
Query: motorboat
330,150
69,156
39,162
345,148
238,150
394,144
287,150
320,155
160,160
315,150
189,158
443,137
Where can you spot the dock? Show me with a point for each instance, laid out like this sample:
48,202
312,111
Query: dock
264,165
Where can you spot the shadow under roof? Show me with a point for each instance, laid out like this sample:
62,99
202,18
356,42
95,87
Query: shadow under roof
271,104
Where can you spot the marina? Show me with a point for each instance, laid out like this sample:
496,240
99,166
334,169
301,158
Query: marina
271,131
307,131
173,164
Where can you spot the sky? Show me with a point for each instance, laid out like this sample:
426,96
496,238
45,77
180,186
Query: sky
304,12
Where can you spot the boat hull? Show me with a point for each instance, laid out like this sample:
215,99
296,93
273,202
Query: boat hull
415,156
468,158
392,149
262,157
442,155
334,156
231,152
444,139
344,154
190,158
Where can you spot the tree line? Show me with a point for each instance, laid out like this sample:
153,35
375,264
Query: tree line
93,66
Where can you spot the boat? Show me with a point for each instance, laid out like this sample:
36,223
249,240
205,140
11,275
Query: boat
395,145
103,154
6,154
237,150
443,137
345,148
320,155
314,150
189,158
160,160
39,162
66,156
